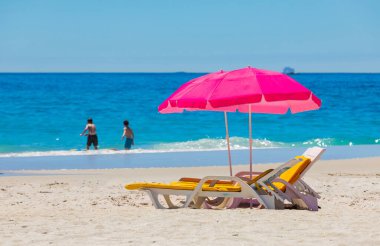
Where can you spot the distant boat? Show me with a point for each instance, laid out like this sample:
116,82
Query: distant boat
288,70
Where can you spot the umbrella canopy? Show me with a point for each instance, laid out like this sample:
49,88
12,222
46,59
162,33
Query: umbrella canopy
266,92
247,90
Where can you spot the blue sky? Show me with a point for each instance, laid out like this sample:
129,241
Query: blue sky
164,35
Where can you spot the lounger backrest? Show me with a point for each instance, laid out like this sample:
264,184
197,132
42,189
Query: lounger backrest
290,171
293,173
314,154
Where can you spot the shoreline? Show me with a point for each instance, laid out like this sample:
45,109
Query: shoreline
114,151
178,159
365,163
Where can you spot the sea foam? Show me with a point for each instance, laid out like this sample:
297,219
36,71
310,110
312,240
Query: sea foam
205,144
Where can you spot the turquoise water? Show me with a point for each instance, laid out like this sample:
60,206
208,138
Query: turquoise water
46,112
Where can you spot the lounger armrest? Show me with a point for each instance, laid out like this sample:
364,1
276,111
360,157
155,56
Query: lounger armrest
288,186
268,178
224,178
277,193
243,184
246,173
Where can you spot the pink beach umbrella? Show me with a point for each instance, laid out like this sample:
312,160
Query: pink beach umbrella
247,90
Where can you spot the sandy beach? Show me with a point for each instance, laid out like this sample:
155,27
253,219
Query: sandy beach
96,95
91,207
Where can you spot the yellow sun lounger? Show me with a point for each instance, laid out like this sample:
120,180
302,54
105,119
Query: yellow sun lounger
211,186
269,194
290,184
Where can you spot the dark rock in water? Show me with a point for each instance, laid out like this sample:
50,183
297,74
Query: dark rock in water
288,70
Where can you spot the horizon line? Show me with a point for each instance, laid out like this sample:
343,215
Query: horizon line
147,72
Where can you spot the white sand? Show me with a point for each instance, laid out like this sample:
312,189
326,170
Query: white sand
91,207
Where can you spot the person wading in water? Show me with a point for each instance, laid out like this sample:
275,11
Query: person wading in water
92,138
128,135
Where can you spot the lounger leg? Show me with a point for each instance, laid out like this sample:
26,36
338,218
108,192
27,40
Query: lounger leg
201,201
235,203
154,197
303,201
308,188
308,202
311,202
219,203
188,201
169,202
198,202
194,194
224,204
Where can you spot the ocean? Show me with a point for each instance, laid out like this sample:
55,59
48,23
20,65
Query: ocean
45,113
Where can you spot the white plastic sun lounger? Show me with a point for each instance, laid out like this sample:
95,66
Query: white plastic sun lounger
219,186
299,194
210,186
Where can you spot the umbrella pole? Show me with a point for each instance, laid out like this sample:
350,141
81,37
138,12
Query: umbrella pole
250,148
250,142
228,142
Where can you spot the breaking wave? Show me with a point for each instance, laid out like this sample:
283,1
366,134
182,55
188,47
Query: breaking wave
206,144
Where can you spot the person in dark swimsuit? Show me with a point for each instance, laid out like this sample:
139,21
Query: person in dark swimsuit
92,138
